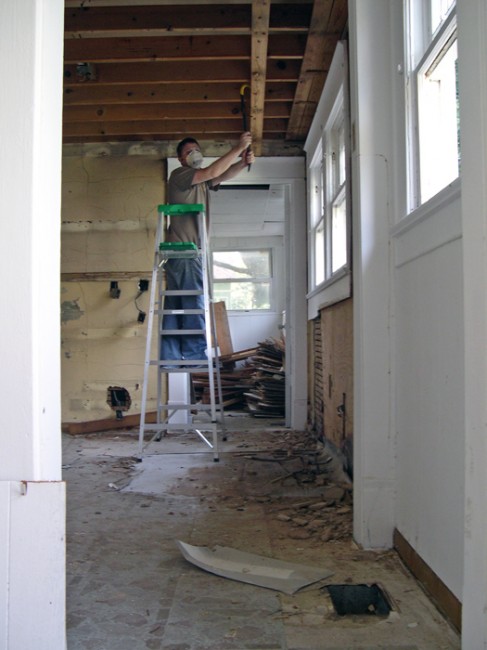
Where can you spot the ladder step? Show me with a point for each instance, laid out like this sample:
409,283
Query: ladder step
177,246
185,407
177,312
189,254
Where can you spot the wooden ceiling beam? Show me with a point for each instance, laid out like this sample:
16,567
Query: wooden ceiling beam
327,15
260,36
208,48
133,112
174,71
164,93
177,19
177,128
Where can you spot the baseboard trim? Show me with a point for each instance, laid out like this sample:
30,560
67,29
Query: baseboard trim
444,599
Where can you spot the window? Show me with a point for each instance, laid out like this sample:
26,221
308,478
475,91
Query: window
243,279
328,198
434,159
329,221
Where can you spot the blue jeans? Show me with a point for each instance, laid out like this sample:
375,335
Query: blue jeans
183,274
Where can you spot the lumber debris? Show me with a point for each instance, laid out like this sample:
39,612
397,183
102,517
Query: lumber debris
257,385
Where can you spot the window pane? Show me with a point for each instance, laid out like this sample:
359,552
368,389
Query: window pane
438,122
341,156
243,295
243,279
339,236
319,255
439,11
243,265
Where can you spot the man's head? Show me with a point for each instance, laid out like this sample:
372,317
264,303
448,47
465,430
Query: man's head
185,155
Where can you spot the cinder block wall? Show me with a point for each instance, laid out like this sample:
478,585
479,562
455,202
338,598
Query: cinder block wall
109,213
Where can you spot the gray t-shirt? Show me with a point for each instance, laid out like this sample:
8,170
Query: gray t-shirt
184,227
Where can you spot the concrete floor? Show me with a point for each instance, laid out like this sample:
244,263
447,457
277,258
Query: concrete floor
129,587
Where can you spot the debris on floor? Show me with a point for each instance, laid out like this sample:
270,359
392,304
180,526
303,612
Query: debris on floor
258,570
306,467
325,519
129,586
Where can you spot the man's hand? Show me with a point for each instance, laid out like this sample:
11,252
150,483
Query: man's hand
245,141
248,157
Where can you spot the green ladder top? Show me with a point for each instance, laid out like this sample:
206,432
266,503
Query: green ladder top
180,208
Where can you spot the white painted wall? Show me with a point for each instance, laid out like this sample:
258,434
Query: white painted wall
371,67
409,318
472,30
429,386
32,496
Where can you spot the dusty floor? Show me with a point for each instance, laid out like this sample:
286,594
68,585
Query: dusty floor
129,587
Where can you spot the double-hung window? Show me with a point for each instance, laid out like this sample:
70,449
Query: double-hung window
432,91
328,200
328,192
243,279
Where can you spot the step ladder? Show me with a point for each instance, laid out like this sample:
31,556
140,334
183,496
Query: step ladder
166,412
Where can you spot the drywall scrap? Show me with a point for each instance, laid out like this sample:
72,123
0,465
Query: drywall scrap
258,570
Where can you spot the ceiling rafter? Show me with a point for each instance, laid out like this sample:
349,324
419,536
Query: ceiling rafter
316,62
260,35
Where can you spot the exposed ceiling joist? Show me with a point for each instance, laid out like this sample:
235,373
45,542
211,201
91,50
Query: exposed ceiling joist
159,70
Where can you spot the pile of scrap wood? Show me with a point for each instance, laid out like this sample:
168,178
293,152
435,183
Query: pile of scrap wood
258,385
234,381
266,396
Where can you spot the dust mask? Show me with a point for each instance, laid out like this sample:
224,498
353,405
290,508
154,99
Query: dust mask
194,159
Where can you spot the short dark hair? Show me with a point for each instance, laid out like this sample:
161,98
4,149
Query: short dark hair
183,143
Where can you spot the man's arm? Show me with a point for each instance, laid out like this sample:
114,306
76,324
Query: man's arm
225,167
247,159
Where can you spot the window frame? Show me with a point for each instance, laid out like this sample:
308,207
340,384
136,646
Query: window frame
424,48
331,119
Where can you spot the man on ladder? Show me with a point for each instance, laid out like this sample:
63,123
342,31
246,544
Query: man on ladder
189,184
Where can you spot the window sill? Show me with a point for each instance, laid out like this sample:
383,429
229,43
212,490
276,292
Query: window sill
334,290
426,210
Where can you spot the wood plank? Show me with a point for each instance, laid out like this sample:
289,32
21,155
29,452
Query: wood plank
171,19
203,48
177,71
260,36
325,31
106,424
174,92
444,599
223,334
105,276
240,355
166,129
86,22
134,112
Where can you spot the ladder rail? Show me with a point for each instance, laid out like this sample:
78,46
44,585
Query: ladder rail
148,343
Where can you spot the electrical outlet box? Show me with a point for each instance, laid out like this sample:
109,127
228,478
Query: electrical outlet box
143,285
